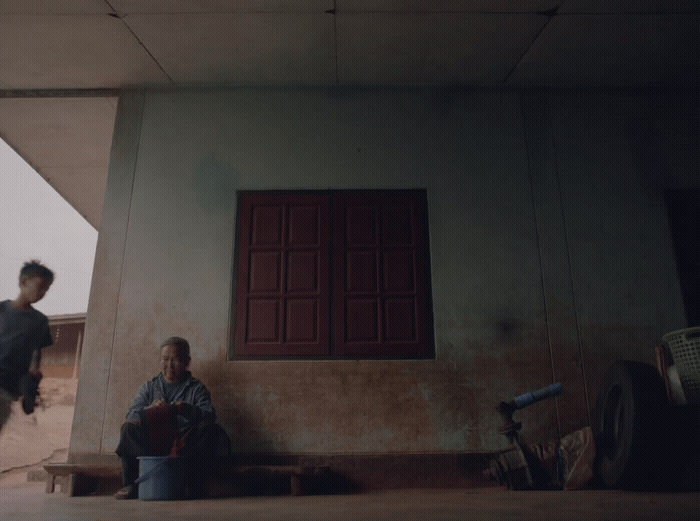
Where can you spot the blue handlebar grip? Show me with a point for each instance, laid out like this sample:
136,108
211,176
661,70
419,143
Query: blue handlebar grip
535,396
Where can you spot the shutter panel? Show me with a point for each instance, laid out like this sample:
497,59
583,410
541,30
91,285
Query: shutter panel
381,293
282,304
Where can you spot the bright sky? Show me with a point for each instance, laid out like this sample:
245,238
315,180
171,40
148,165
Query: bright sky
38,223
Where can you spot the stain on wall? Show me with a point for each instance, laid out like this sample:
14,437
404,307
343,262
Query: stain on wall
214,180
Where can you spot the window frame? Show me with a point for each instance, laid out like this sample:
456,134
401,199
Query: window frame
423,348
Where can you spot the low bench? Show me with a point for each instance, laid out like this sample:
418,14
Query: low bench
298,474
74,472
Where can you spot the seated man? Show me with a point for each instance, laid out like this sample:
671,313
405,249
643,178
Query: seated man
172,415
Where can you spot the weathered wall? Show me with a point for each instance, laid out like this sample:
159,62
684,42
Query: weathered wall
550,257
62,360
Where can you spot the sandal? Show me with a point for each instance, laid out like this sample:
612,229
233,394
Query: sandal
128,492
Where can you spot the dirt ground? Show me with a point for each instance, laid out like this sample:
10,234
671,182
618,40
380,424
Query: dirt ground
23,501
28,440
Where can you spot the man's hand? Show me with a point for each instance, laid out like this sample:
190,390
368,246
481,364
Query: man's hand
187,410
158,403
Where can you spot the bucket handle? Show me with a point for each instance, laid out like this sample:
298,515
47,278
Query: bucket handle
150,471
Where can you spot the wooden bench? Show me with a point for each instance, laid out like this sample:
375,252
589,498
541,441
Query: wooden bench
73,472
298,474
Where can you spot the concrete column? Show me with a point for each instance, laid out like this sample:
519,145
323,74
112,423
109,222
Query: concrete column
98,343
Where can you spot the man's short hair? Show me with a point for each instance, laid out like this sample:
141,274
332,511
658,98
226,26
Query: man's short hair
34,268
181,345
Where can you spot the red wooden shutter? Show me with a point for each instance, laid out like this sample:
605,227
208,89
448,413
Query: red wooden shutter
380,280
282,305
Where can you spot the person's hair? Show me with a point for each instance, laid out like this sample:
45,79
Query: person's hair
34,268
181,345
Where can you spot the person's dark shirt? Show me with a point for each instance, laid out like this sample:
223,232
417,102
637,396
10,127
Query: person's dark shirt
21,333
171,389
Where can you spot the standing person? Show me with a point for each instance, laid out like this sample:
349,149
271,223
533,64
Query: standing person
24,331
171,414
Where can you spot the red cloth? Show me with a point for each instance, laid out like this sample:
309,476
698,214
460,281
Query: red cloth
161,425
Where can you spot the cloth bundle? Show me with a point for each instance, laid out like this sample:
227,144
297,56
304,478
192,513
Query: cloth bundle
164,436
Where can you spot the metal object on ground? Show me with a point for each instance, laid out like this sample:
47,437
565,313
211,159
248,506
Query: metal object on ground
518,468
510,428
511,469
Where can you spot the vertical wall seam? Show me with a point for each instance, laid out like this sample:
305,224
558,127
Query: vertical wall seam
539,257
335,40
123,256
568,261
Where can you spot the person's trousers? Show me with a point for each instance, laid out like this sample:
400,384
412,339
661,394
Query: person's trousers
6,400
202,444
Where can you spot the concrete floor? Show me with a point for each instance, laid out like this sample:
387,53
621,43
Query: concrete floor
27,501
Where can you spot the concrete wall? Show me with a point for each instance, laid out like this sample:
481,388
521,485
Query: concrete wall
550,255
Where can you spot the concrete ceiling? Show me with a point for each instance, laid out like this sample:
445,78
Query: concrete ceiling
61,62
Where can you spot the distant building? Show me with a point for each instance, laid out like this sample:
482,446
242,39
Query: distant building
62,359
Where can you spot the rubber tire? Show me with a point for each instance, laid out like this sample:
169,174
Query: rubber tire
629,426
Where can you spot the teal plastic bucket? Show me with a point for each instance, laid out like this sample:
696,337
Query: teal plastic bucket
161,478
